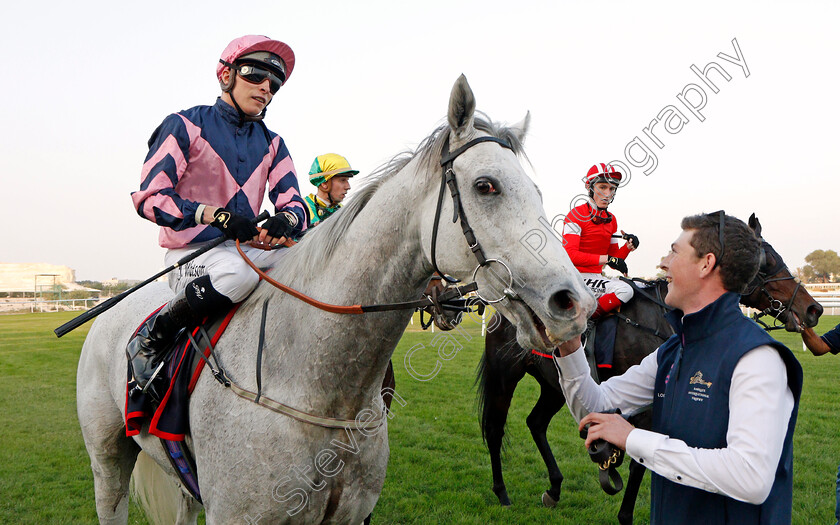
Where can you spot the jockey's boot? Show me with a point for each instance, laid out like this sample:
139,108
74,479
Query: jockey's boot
606,303
147,349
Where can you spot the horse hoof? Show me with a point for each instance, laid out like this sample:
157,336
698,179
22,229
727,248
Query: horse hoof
548,501
502,495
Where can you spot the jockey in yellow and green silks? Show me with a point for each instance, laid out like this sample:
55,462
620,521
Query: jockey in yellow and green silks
330,174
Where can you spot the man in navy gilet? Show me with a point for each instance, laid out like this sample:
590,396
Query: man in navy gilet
724,394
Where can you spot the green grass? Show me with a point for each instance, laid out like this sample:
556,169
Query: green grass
439,470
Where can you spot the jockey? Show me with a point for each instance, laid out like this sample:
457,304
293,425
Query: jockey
204,177
591,242
330,174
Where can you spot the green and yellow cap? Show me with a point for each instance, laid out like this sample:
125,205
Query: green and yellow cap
328,166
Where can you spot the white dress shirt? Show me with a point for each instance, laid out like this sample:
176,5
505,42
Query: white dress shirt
759,412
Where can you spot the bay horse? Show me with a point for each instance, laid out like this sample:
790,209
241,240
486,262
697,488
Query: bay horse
774,291
255,464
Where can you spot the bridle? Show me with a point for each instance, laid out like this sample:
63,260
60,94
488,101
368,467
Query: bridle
448,179
776,308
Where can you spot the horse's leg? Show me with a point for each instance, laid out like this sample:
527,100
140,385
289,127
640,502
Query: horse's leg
188,510
631,492
549,403
495,431
112,457
389,386
498,383
635,476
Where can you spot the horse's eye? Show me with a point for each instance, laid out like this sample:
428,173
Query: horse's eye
485,187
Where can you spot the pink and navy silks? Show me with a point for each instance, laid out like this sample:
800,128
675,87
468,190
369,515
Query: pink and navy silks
202,156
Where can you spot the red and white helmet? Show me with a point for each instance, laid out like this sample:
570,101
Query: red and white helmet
601,173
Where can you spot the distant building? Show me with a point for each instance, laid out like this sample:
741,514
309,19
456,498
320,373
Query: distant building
38,278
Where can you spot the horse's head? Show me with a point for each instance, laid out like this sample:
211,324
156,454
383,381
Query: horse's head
519,265
776,292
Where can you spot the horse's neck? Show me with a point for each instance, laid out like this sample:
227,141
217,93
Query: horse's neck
377,260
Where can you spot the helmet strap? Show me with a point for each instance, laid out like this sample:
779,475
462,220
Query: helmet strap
329,199
243,117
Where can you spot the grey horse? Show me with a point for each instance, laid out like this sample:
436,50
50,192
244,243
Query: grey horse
255,465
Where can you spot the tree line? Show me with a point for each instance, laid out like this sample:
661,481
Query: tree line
823,266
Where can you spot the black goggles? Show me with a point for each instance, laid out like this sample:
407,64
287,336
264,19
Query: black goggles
256,75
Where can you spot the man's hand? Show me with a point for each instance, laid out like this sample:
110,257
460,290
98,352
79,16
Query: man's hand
632,240
612,428
617,263
568,347
277,229
233,226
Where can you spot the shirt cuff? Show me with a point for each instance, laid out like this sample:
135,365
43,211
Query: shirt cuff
293,219
573,365
199,214
642,445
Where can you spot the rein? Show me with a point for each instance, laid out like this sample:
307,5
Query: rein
425,301
656,300
447,178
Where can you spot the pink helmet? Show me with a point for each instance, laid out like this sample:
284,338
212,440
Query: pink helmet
601,173
253,43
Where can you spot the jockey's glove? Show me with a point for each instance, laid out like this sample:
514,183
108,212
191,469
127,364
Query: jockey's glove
281,225
631,239
617,263
234,226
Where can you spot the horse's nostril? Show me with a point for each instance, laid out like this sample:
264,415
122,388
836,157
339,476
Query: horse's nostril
563,299
815,310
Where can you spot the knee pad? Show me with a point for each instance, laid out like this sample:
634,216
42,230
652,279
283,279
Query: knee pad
203,298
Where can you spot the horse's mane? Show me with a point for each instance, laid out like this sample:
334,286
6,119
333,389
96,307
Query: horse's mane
319,244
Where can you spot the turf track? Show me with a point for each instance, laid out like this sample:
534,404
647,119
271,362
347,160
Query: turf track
439,470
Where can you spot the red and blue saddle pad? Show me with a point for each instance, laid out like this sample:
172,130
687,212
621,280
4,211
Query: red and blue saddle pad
169,420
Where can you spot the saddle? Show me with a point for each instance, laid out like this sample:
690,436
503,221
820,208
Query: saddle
169,419
600,338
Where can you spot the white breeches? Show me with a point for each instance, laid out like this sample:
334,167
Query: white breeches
601,284
229,273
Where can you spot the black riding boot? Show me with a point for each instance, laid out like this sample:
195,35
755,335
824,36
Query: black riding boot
146,351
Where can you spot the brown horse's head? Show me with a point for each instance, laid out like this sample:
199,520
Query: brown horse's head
777,293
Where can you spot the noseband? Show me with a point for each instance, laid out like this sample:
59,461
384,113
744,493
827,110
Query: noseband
448,179
763,277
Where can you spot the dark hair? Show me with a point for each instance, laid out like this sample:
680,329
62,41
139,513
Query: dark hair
741,250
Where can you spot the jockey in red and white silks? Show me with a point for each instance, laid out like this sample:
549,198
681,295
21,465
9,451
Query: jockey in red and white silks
591,241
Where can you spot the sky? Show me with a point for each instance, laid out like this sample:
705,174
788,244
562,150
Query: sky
86,83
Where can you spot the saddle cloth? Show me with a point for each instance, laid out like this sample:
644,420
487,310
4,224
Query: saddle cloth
604,340
169,419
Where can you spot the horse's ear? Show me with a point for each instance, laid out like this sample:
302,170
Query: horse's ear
520,129
755,225
461,108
